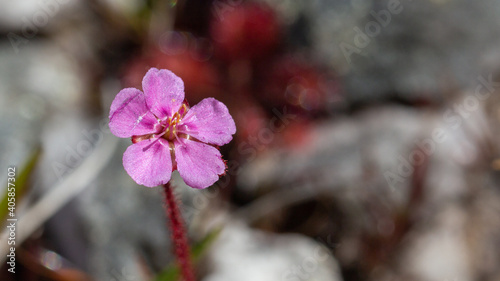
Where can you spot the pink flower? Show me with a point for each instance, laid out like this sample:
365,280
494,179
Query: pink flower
168,135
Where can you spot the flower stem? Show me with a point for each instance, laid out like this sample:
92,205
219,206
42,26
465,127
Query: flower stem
179,235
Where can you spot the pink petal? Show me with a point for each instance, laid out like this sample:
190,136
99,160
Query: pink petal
129,114
210,122
164,92
198,164
148,162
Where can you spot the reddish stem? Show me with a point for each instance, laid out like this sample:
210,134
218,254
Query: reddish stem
179,235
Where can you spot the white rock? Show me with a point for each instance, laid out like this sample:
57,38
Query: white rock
243,254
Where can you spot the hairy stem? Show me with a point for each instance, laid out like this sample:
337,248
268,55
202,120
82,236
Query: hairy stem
179,235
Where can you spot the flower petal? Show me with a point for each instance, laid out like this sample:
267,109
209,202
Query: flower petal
130,116
164,92
209,121
198,164
148,162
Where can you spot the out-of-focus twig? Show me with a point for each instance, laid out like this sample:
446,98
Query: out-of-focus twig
279,199
21,181
61,194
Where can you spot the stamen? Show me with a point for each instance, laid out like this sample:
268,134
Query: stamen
183,110
171,147
171,131
179,140
159,136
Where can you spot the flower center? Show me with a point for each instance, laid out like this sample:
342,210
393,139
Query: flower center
170,129
172,124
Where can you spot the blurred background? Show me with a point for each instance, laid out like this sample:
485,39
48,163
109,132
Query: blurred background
366,145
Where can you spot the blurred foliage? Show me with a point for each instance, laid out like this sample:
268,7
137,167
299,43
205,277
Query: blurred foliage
171,273
21,182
